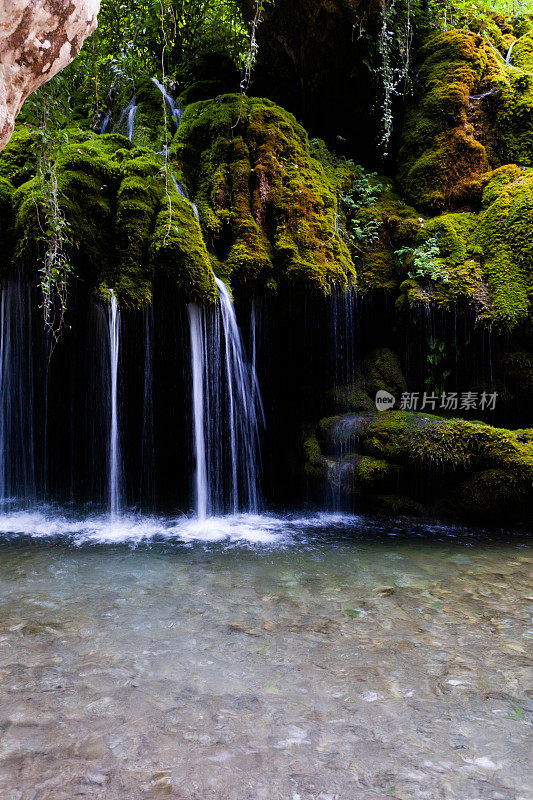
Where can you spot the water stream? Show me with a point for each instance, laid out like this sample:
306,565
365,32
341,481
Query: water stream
227,412
198,362
115,458
175,108
126,120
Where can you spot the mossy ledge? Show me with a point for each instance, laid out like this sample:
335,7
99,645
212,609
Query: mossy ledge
268,207
125,220
449,466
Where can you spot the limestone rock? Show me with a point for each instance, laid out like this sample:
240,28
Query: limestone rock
37,39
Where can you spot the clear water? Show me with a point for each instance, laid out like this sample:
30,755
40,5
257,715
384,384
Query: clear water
262,657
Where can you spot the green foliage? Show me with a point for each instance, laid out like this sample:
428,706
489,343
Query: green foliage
424,261
56,268
363,193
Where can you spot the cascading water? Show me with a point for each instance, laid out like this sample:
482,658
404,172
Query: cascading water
17,444
175,109
198,361
105,122
182,191
127,118
243,412
227,412
115,459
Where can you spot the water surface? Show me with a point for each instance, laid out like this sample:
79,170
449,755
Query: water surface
262,658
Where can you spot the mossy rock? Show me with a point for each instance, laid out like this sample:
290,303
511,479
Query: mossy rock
409,451
504,234
125,221
441,161
19,158
382,371
268,208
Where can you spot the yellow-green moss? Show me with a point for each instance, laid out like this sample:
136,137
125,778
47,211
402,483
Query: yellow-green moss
267,206
18,161
504,233
441,162
468,457
125,219
179,250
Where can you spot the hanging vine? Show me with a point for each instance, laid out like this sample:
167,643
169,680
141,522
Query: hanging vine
56,267
394,45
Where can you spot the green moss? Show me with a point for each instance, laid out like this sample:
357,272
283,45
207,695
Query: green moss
267,206
19,158
382,371
441,161
471,459
351,398
369,472
504,234
125,220
178,249
460,263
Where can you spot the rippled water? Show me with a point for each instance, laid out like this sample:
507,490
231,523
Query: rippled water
262,657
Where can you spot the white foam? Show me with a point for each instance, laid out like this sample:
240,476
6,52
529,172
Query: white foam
253,529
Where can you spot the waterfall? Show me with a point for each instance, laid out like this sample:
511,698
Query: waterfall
146,489
105,122
509,52
17,442
243,414
115,461
127,118
227,412
198,358
182,191
175,109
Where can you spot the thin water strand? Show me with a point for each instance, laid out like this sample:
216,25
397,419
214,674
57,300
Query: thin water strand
115,469
198,362
175,108
244,409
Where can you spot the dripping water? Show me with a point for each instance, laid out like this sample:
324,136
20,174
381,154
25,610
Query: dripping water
243,411
198,360
115,463
17,442
182,191
127,118
146,493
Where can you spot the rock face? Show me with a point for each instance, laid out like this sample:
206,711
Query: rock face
295,37
37,39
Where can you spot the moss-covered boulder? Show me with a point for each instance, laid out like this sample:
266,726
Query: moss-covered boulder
449,465
441,161
125,220
513,122
505,235
472,110
268,208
